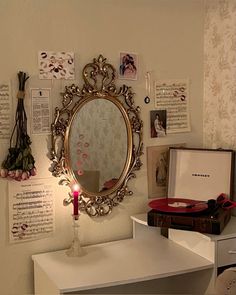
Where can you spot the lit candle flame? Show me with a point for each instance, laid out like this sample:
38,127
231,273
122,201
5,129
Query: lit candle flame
76,193
76,188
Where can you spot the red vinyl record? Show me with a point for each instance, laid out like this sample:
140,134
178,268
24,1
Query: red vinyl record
178,205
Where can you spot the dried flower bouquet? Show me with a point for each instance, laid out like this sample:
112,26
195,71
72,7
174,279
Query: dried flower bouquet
19,163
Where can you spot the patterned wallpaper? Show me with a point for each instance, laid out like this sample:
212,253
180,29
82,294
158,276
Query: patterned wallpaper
219,127
104,140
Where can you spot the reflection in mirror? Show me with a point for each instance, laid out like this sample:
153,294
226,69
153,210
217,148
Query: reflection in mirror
97,139
98,145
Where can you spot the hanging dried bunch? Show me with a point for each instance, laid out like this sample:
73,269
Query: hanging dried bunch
19,163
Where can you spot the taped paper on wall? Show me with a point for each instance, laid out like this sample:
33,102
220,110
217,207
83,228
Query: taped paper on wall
173,96
56,65
5,111
31,210
40,110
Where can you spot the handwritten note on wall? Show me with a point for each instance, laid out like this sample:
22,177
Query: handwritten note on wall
5,111
31,210
172,96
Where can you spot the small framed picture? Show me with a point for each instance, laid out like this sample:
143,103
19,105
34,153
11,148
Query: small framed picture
158,123
128,67
157,169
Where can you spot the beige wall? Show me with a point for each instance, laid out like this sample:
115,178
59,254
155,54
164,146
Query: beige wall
168,37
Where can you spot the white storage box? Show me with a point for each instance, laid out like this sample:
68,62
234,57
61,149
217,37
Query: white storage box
200,174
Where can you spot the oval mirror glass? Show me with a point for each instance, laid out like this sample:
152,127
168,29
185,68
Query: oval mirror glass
98,145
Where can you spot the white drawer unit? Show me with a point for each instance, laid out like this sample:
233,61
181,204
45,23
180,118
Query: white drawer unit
220,249
226,252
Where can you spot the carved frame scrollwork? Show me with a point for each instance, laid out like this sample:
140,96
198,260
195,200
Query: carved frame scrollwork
99,81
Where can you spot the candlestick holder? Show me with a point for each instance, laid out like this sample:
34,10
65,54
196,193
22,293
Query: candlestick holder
75,249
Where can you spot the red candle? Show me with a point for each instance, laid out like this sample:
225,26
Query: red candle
76,201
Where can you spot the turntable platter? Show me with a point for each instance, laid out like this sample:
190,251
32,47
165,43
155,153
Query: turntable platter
178,205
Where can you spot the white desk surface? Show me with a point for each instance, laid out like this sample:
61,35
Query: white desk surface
119,262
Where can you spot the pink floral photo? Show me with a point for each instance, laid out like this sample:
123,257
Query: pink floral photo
128,68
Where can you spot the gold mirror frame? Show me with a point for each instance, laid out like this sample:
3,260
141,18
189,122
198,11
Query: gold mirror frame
99,82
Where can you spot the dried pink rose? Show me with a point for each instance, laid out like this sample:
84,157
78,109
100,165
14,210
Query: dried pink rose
33,171
12,173
4,172
24,175
18,173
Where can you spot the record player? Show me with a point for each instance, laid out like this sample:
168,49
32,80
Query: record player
211,219
196,177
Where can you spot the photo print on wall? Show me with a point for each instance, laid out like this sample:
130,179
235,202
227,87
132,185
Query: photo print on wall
56,65
157,169
128,67
158,123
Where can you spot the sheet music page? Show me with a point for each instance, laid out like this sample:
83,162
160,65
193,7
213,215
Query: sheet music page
31,210
5,111
173,96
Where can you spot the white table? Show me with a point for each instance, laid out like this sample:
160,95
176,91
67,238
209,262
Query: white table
147,256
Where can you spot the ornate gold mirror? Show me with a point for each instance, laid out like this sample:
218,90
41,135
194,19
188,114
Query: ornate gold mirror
97,139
